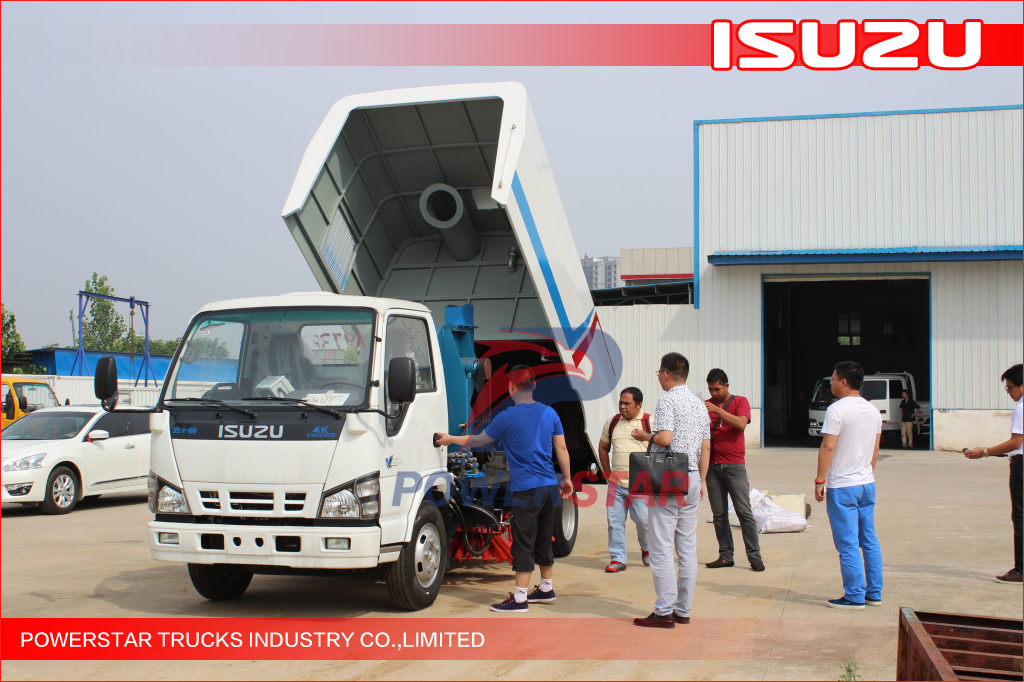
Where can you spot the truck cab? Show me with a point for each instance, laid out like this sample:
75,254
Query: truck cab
21,396
884,390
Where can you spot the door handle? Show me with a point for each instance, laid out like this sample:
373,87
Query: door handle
881,411
129,447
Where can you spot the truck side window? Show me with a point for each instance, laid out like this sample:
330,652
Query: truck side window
896,389
408,337
873,390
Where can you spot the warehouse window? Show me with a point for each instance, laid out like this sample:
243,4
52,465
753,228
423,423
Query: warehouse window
849,329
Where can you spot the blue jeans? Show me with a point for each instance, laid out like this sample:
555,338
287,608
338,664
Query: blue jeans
618,501
851,513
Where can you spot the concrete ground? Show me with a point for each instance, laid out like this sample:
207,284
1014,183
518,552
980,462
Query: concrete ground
943,522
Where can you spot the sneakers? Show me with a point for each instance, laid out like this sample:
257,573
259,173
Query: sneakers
844,603
539,596
510,605
656,621
720,563
681,620
615,567
646,558
1011,576
873,602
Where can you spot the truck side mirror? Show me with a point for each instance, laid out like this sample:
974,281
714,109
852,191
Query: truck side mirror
23,403
9,406
105,382
401,380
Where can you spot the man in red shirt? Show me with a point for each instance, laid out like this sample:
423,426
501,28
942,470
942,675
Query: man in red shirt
727,474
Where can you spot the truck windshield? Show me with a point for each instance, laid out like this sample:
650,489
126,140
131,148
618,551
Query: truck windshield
823,393
318,355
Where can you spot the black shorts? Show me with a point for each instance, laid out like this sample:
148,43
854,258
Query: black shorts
533,522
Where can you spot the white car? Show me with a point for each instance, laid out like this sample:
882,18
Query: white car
59,455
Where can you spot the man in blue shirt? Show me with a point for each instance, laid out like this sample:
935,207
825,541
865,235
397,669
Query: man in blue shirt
530,432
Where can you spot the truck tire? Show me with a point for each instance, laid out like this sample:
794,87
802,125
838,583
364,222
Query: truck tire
220,582
566,524
62,492
415,578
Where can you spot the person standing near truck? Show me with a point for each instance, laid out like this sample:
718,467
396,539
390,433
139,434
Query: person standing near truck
851,435
680,426
530,432
617,442
908,410
1012,379
727,474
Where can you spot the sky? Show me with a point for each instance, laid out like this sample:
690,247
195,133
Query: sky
169,179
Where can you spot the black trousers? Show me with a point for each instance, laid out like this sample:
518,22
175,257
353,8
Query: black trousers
533,523
730,480
1016,500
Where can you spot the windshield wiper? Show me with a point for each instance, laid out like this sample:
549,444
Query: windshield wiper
219,403
298,401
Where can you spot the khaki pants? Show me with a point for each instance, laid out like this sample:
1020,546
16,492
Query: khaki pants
907,434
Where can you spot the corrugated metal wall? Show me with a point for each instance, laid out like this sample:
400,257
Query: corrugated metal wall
948,179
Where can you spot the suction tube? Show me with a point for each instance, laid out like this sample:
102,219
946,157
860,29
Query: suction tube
442,207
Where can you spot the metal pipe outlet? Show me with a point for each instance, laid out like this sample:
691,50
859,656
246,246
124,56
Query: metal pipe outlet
442,207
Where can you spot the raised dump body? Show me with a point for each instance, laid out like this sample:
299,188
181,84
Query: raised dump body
444,196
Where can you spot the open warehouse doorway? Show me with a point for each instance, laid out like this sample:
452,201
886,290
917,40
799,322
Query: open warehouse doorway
811,323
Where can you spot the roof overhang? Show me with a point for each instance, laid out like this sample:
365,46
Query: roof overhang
895,255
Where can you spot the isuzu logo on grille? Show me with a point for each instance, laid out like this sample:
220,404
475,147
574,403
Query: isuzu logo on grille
250,431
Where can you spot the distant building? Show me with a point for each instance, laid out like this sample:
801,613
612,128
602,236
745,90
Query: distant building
601,273
656,266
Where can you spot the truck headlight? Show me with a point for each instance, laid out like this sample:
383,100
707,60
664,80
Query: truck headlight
26,463
165,498
358,499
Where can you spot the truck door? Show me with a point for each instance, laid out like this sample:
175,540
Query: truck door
408,434
876,392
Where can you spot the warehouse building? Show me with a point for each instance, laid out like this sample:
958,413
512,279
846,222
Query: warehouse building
891,238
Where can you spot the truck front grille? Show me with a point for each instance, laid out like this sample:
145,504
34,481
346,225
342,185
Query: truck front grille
252,501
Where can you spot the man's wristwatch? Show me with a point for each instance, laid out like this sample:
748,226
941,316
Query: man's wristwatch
984,452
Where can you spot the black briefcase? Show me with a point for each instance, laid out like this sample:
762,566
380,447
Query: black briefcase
659,473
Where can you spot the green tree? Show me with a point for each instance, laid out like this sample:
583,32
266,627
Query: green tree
103,328
11,342
156,346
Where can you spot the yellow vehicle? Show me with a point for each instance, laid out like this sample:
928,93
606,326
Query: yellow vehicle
22,395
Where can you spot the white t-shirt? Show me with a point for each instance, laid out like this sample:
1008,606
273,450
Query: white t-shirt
1016,426
856,423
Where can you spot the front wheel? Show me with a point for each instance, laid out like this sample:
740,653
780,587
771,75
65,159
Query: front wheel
415,579
62,492
220,582
566,518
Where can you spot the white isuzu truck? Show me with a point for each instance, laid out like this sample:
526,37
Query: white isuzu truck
294,433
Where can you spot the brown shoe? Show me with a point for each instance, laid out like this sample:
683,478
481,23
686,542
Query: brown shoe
758,567
720,563
681,620
1011,576
655,621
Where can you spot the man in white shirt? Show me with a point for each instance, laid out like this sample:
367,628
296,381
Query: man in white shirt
851,435
1012,383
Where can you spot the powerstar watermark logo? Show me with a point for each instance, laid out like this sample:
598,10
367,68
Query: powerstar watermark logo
775,45
252,431
322,432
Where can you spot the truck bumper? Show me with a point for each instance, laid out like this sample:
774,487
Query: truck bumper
302,547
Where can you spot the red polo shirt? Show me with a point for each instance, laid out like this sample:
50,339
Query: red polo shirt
727,444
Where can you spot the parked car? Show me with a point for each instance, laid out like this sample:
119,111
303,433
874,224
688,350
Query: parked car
56,456
21,396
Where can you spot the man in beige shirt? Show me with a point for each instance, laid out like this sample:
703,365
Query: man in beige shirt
617,440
